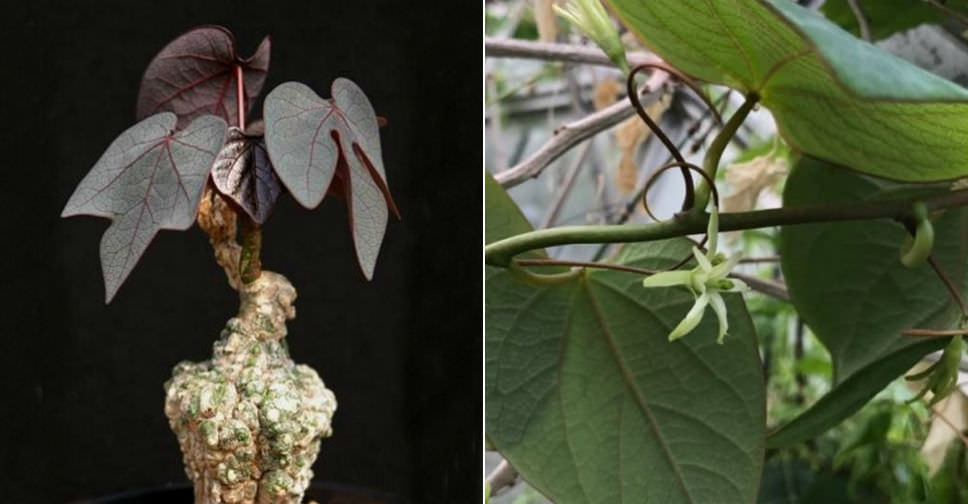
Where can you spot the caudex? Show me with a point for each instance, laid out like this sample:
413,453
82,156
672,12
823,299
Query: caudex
249,421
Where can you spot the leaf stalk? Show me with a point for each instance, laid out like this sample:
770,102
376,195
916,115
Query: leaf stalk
710,162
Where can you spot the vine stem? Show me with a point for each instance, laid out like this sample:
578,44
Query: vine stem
934,333
948,10
500,253
710,163
955,295
865,29
250,263
770,288
950,424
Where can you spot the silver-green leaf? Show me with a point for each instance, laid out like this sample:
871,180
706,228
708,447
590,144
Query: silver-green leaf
150,178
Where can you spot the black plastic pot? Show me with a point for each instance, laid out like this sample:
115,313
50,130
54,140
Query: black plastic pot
323,493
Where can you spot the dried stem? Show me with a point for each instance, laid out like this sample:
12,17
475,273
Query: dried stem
572,53
565,188
568,136
504,475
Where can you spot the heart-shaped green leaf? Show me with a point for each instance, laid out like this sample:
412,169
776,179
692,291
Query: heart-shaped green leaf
150,178
833,96
591,403
315,143
847,282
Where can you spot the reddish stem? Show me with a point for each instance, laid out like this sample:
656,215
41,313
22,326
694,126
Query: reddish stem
250,264
240,95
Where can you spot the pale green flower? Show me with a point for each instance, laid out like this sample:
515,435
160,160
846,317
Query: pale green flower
707,281
590,17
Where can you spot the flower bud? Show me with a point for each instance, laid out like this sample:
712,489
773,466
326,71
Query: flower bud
590,17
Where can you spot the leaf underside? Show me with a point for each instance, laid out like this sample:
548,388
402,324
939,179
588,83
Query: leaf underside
148,179
317,145
847,282
242,172
591,403
833,96
194,75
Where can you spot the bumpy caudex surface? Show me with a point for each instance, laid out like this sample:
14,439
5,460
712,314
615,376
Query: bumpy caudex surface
250,420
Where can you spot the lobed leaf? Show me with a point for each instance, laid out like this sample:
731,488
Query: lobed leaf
194,75
588,400
833,96
242,172
150,178
319,145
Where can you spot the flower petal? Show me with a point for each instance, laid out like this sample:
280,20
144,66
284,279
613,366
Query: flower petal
703,261
668,279
738,286
712,230
722,269
716,301
691,320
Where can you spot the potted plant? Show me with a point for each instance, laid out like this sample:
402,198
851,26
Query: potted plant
249,421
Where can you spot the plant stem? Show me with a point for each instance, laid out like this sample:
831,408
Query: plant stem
566,185
500,253
573,53
584,264
240,95
934,333
865,29
710,163
573,133
250,264
950,286
504,475
770,288
948,10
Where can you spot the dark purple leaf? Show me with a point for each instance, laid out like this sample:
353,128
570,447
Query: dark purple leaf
195,75
242,172
311,140
150,178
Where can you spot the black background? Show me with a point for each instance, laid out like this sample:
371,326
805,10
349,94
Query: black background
81,409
